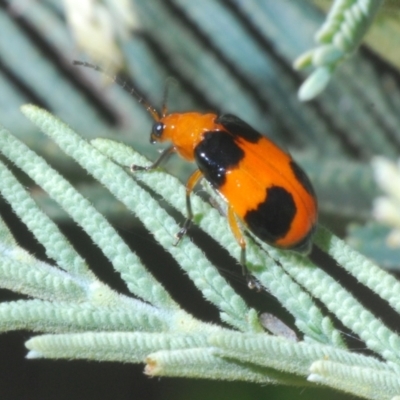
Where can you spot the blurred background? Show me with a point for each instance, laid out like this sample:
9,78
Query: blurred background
231,56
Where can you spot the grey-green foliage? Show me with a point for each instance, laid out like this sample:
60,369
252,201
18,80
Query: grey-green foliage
339,36
211,48
83,318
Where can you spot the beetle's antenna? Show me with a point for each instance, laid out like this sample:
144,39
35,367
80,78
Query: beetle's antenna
126,86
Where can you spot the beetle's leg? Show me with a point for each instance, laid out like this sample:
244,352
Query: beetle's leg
237,232
252,283
190,184
165,154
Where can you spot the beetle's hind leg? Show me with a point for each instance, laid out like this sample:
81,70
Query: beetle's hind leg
252,283
190,184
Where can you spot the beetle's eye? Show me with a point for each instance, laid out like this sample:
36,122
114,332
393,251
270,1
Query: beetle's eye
158,128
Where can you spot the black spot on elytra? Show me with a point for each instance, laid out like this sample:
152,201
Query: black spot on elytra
302,178
215,154
272,218
238,127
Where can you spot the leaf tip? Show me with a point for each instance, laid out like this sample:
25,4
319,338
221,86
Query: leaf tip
152,366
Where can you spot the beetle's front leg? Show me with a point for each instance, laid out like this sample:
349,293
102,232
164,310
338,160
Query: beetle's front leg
162,158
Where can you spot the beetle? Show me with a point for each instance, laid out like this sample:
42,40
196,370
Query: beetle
263,187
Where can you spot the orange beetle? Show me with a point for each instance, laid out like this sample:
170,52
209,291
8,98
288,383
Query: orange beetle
261,184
